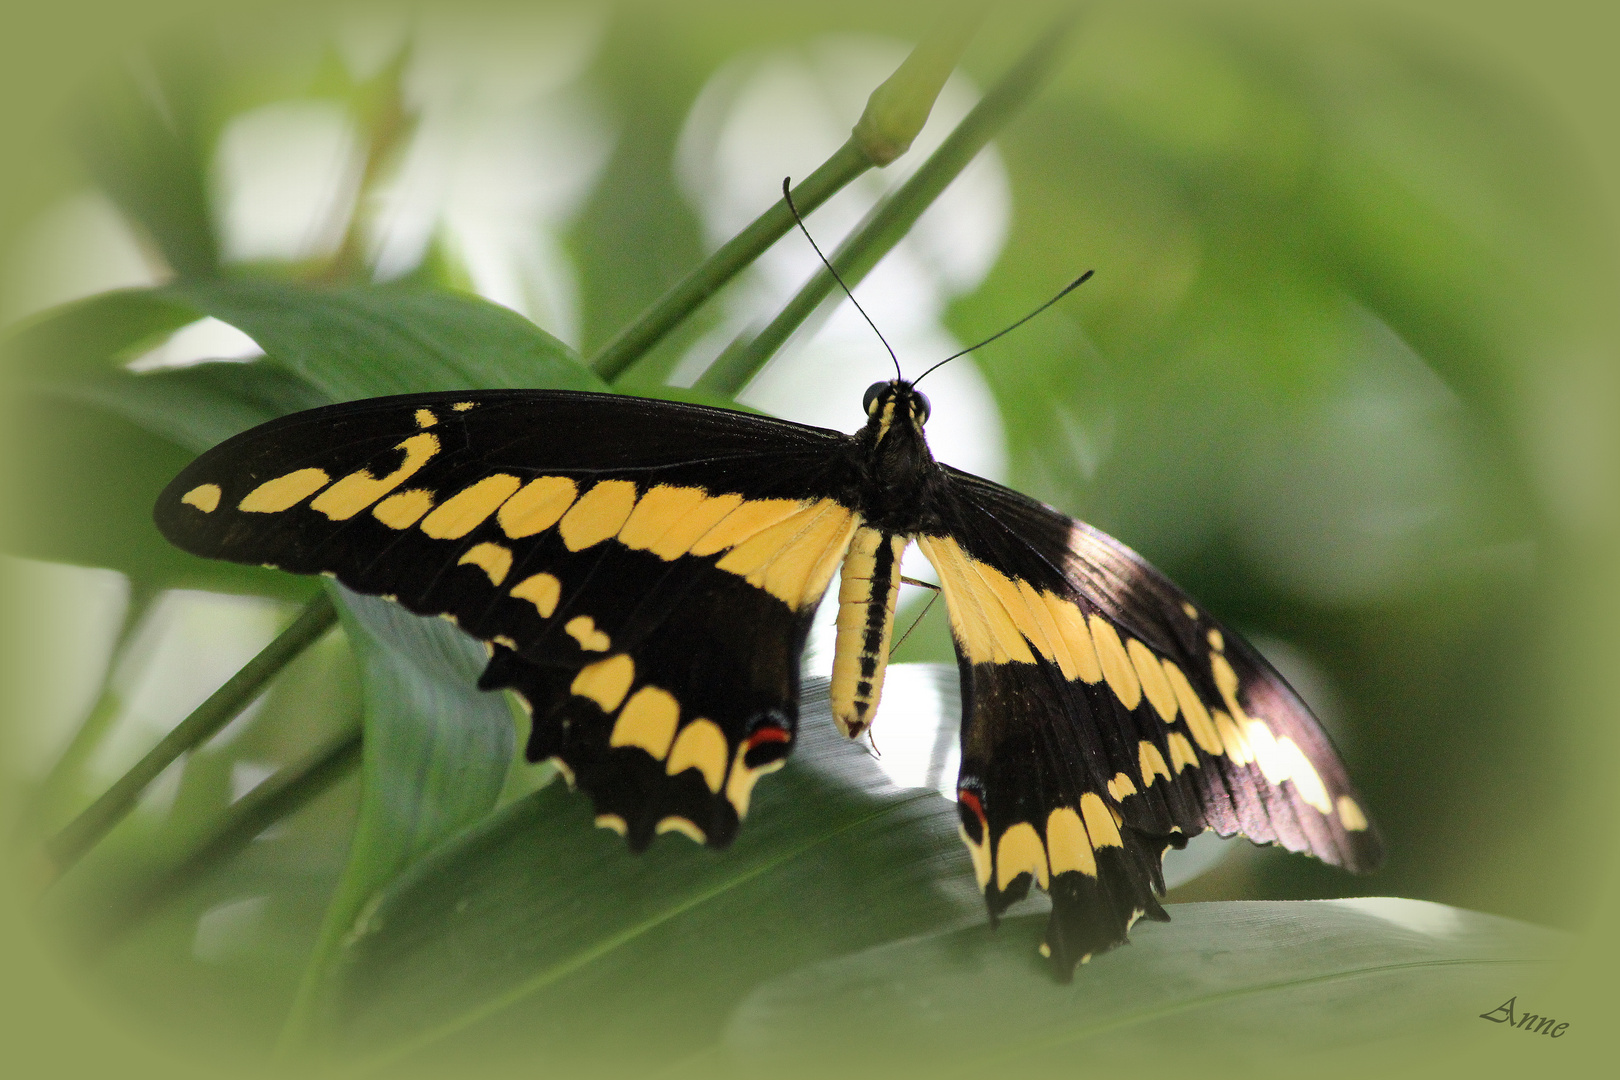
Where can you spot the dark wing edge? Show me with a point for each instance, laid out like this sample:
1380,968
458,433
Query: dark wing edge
1106,718
588,540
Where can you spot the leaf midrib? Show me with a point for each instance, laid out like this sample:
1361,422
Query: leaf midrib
579,960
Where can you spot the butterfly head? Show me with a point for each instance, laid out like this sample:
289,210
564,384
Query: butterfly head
885,402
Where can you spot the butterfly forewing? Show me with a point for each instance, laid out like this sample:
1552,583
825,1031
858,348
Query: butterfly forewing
644,573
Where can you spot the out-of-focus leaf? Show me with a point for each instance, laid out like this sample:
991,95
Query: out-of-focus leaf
81,487
542,934
92,445
636,236
1244,983
145,137
436,752
365,341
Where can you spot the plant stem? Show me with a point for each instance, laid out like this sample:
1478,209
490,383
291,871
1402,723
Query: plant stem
688,294
81,834
895,113
894,217
278,797
53,791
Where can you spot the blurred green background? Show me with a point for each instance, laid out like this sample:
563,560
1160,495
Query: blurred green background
1346,373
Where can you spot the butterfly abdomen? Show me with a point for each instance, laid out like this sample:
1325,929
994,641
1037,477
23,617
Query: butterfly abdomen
866,597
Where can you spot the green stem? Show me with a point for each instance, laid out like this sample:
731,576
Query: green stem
688,294
81,834
894,217
63,777
278,797
895,113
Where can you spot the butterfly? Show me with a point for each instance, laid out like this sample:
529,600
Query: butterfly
645,573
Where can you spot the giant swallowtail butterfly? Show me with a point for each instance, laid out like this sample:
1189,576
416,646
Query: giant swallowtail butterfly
645,574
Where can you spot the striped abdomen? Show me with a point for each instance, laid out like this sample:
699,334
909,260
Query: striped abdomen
866,598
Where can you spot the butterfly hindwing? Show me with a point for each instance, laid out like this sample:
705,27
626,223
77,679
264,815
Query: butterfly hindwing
644,573
1107,718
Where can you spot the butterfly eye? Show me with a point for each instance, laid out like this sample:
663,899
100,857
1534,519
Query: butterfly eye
869,402
923,409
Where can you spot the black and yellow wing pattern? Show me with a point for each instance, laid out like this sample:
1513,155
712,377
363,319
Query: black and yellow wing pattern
651,614
1107,718
645,574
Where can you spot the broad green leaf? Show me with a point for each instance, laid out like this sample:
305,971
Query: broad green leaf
83,481
93,444
436,752
1245,984
543,936
366,341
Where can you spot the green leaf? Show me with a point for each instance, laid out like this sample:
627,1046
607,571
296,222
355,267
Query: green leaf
541,934
1265,981
146,137
436,752
636,235
365,341
94,444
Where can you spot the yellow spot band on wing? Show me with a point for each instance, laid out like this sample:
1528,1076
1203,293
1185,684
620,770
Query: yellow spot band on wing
689,526
681,825
284,492
614,822
1305,777
1193,710
740,786
1067,844
979,853
404,509
1232,740
1150,763
204,497
492,559
425,418
359,489
1350,815
648,720
1120,786
656,513
701,745
582,628
976,598
537,506
785,558
749,519
463,406
598,514
541,590
1155,687
1021,852
606,681
1116,663
1099,821
1071,623
1267,754
470,507
1181,752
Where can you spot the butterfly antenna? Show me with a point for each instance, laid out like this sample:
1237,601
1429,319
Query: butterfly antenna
1065,291
788,195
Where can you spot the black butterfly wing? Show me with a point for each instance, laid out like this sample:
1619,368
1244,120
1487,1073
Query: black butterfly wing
1106,718
643,572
